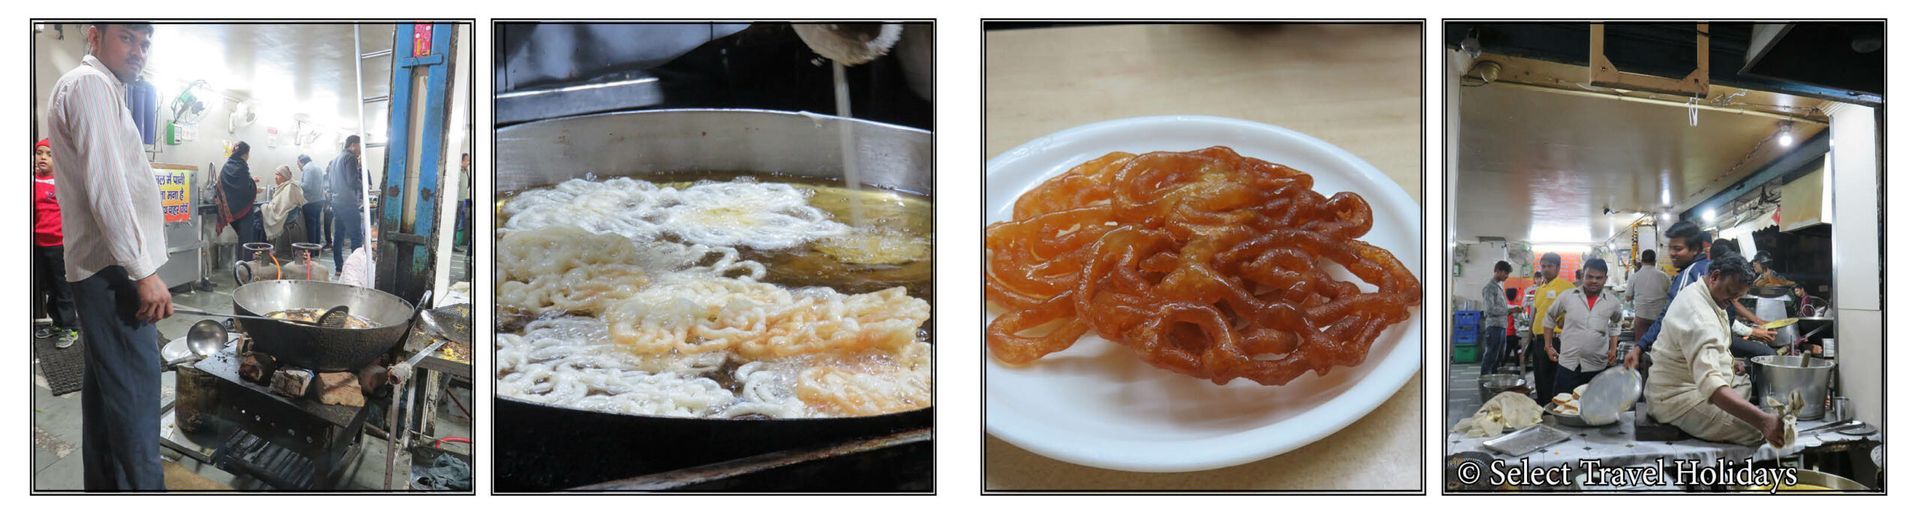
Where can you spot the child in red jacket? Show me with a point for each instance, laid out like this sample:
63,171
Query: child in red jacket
50,295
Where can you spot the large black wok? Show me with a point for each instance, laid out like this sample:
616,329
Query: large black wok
314,347
542,447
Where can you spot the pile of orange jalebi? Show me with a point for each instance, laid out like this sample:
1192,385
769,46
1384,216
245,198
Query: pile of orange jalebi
1205,263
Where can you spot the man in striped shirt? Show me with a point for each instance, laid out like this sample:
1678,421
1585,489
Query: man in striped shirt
110,210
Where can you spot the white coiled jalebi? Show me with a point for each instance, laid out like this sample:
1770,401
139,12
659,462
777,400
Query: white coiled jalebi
674,304
741,213
755,320
569,362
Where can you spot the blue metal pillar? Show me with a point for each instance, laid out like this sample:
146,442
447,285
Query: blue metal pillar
405,258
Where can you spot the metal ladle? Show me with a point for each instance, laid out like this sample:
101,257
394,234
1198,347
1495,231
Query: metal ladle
436,326
335,317
205,338
317,323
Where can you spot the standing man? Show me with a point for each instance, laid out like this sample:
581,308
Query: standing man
1587,322
1688,246
237,191
344,182
51,296
313,184
1493,325
463,220
110,204
1647,289
1693,385
1543,298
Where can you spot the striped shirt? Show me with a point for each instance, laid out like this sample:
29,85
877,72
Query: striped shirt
109,201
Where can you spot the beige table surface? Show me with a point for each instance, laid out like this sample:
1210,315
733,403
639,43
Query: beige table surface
1355,86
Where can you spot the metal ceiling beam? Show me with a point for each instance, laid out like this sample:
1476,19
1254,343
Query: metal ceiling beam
1657,51
1660,101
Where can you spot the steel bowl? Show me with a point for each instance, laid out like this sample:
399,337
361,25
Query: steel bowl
1776,376
1493,384
642,143
1809,481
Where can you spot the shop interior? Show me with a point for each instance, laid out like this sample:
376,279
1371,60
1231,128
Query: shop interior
1590,141
288,91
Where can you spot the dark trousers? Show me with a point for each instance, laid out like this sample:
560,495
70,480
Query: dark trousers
248,230
1744,349
52,297
1564,380
313,214
1493,348
120,396
348,235
463,223
1542,370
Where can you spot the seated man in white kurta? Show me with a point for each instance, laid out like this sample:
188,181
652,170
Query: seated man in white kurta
1692,384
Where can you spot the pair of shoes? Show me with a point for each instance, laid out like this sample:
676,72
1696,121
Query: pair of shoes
67,337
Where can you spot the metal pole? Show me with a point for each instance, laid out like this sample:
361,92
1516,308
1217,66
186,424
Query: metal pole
393,430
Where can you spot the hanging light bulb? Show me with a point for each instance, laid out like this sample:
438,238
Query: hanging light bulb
1786,135
1708,215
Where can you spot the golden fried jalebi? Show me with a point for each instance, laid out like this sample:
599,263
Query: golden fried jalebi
1205,263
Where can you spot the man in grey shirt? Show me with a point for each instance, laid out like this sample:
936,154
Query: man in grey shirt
1647,289
1493,324
313,184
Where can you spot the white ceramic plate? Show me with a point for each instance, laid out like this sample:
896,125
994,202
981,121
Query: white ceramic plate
1095,404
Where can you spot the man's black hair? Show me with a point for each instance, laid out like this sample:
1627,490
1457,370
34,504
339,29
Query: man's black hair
1596,265
1688,232
303,159
1725,247
138,26
1502,267
1550,257
1646,256
1732,266
351,140
1512,294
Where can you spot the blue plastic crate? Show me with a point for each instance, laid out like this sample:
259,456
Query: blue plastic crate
1466,336
1468,317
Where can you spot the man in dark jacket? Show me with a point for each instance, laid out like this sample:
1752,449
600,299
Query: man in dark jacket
343,181
239,188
